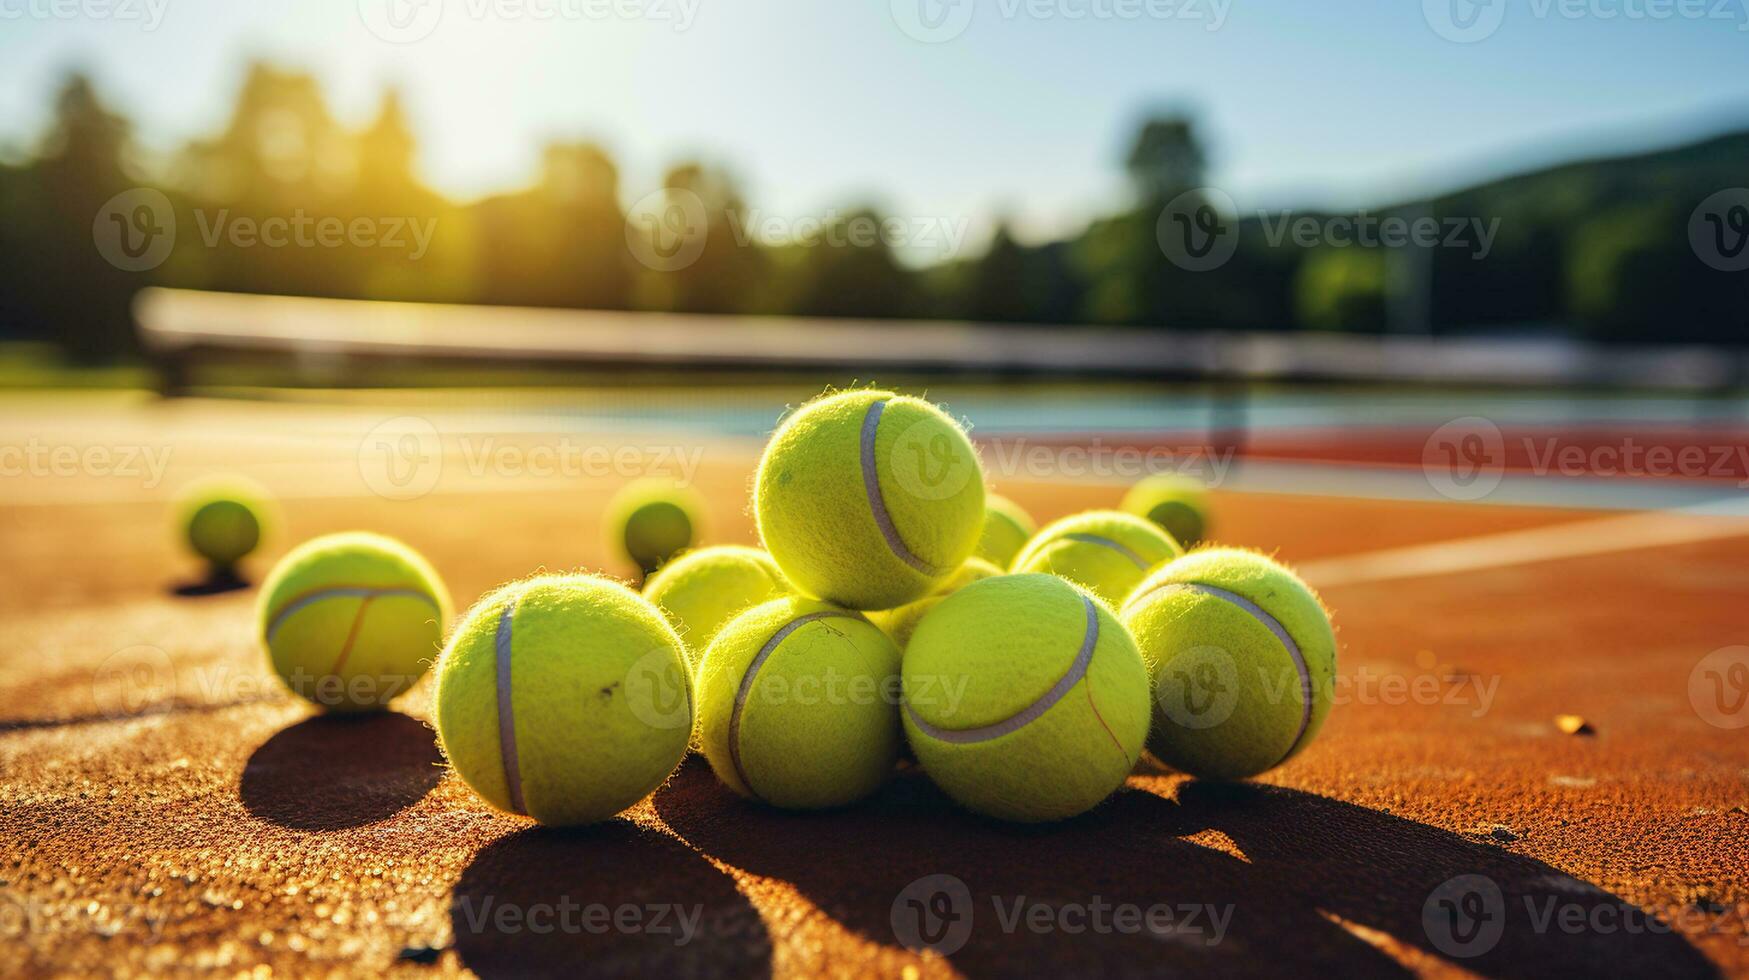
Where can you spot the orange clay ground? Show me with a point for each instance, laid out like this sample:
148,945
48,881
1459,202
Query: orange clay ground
165,807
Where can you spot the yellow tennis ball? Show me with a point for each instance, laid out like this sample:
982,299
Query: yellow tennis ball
1107,551
798,706
1025,698
564,698
1007,526
900,623
1243,660
704,589
1177,503
223,519
650,521
352,620
869,499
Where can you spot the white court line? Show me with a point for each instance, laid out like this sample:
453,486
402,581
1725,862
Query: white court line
1574,540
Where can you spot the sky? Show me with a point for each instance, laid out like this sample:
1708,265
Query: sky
948,111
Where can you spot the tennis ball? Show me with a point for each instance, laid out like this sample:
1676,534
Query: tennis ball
564,698
900,623
869,499
1177,503
351,620
651,521
1243,660
702,590
1025,698
1007,526
223,519
1106,551
797,704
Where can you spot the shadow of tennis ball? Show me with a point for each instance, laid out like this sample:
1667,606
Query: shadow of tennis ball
335,771
612,899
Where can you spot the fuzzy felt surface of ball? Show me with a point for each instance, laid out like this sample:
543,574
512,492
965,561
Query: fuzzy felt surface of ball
223,519
1107,551
798,704
1179,504
1243,661
650,521
702,590
1007,528
1024,698
564,698
352,620
868,499
901,622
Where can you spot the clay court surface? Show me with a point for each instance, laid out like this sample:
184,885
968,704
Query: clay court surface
165,807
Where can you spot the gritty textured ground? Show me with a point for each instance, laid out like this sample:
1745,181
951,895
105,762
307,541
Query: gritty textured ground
164,807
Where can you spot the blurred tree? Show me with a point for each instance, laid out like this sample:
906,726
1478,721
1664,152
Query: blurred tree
1343,289
1597,247
1009,283
281,158
1166,160
998,287
1519,278
281,145
426,248
560,244
385,151
18,220
1131,279
730,270
1055,291
1633,275
1115,256
70,293
851,272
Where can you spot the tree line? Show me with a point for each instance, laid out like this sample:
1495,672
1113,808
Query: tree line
285,199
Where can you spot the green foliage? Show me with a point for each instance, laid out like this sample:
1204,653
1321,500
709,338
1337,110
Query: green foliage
1342,289
851,271
1633,275
1597,247
1166,159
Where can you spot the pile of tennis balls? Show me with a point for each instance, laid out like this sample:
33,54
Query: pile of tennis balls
896,611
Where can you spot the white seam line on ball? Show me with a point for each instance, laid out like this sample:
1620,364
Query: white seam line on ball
1032,712
344,592
747,679
1106,542
1270,623
871,485
506,714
